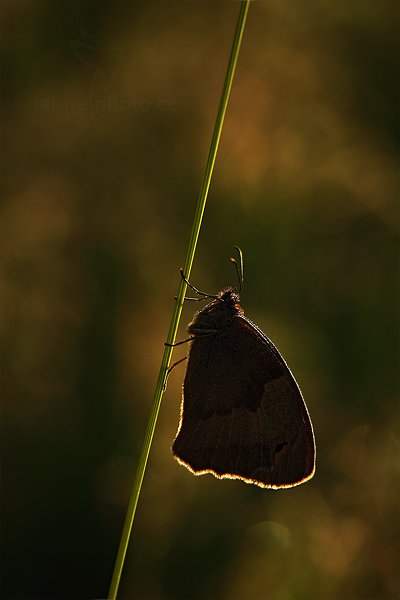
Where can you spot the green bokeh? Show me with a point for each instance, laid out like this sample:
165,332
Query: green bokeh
108,109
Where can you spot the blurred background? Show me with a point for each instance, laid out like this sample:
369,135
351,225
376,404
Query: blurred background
108,110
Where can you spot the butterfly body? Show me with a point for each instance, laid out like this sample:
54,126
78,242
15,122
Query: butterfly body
242,413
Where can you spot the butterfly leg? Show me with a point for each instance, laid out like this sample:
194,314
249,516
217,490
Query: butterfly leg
204,294
178,343
189,298
170,369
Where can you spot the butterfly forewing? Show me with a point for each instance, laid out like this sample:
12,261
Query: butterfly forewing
242,414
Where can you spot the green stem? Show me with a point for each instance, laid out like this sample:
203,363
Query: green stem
166,360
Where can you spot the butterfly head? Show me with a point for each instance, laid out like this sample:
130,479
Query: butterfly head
230,296
219,313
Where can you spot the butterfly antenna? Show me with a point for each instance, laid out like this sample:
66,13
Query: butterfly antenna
238,267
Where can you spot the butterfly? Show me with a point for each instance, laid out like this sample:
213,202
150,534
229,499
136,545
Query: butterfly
242,414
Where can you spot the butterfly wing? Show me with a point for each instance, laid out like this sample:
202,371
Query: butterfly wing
242,414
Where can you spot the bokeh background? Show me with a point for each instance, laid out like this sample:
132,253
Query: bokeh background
108,109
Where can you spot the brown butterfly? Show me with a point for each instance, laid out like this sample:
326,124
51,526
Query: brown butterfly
242,414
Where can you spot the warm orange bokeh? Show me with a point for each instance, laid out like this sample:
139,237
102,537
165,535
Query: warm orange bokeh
108,109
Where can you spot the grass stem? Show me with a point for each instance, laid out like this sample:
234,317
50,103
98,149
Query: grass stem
166,359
